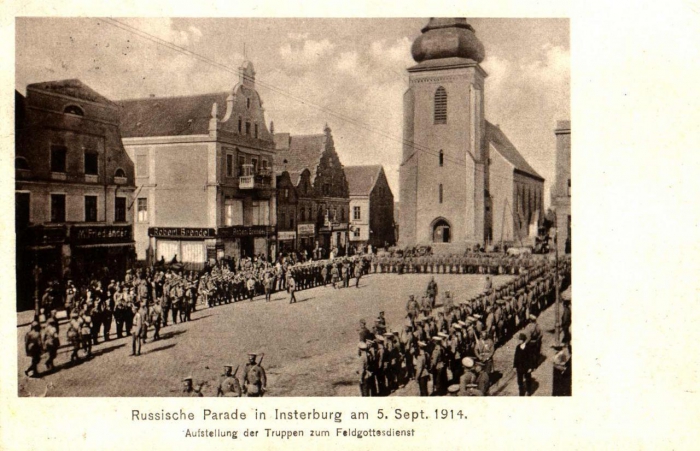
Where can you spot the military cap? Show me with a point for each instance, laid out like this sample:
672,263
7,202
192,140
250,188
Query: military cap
437,338
188,378
454,388
477,316
379,339
369,341
252,354
396,333
422,344
456,325
362,321
532,317
467,362
461,323
362,346
228,365
443,335
388,335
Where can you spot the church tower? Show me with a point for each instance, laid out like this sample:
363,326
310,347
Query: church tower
444,174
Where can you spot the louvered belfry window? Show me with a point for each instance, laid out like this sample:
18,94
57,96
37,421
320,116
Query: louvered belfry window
440,106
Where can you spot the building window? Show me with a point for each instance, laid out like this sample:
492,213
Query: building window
261,212
342,214
441,232
120,173
58,158
568,187
233,212
283,218
356,232
58,208
440,106
254,161
240,125
441,158
90,163
241,163
286,193
120,209
326,189
356,213
229,165
90,208
74,109
264,165
247,128
142,209
247,103
291,222
256,130
302,212
22,210
141,165
21,163
440,193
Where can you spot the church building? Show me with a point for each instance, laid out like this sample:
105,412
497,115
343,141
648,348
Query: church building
446,171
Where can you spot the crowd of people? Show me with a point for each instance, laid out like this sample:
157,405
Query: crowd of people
449,348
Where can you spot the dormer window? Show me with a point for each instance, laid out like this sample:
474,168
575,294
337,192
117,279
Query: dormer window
74,109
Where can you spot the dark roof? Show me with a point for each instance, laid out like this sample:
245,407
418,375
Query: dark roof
169,116
361,179
503,145
303,152
281,141
71,88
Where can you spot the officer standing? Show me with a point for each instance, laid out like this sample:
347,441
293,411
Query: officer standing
422,369
364,370
229,386
254,379
292,286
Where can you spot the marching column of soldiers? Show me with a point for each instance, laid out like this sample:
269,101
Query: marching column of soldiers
450,349
468,263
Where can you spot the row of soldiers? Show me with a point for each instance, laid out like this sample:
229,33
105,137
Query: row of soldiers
453,346
470,263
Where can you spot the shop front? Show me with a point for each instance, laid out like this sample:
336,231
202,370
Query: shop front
334,235
307,237
41,248
286,241
247,241
101,251
186,245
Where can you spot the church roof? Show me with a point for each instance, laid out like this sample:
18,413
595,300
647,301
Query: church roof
502,144
296,153
361,179
169,116
447,38
71,88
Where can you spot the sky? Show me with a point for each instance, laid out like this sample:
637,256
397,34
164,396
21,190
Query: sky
347,73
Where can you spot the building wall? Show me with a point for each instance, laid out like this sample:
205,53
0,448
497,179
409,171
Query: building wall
528,194
502,207
462,201
362,224
381,216
561,191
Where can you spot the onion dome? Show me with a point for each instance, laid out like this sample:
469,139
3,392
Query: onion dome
447,38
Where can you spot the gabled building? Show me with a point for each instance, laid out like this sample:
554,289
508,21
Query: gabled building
74,186
371,206
314,169
204,174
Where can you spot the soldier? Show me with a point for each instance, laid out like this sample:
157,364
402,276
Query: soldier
229,386
365,370
432,292
365,334
71,293
254,379
407,342
483,382
85,332
51,341
73,334
33,347
484,350
176,302
438,367
189,390
136,331
561,371
292,286
390,362
335,276
358,274
380,359
156,318
422,369
382,320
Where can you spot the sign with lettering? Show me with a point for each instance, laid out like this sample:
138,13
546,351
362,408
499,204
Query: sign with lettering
100,234
42,236
244,231
181,232
282,236
306,229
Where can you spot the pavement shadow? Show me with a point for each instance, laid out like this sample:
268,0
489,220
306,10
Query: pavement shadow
535,386
170,334
306,299
495,377
70,364
162,348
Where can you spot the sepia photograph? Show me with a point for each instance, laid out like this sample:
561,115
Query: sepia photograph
293,207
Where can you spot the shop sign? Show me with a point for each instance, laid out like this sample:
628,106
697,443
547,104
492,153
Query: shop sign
43,236
181,232
100,234
306,229
282,236
245,231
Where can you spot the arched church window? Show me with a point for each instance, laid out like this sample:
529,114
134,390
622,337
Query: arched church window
441,232
440,106
74,109
441,157
21,163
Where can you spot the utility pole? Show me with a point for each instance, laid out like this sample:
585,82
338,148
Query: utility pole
37,273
